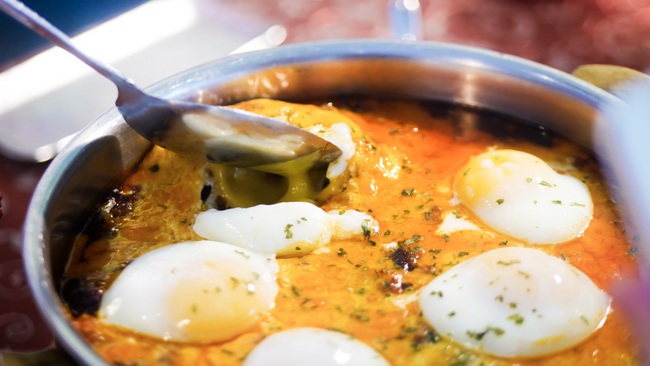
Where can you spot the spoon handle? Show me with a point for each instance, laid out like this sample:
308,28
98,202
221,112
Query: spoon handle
45,29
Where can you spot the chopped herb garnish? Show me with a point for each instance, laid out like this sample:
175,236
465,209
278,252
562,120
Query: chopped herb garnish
524,274
510,262
577,204
295,291
479,335
556,202
341,252
500,201
415,238
288,234
242,254
518,319
365,226
407,192
545,184
360,317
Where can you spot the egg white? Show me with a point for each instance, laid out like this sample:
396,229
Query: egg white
286,228
518,194
339,134
192,292
313,346
514,302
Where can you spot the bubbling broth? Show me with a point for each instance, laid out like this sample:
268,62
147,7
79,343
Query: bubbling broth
410,247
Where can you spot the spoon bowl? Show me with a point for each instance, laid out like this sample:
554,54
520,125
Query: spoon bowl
216,134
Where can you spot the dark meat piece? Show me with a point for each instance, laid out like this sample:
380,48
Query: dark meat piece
405,259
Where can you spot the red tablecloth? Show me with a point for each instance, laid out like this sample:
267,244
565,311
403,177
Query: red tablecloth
560,33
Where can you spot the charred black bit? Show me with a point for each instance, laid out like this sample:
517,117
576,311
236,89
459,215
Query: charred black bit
205,192
97,227
221,203
82,296
119,203
154,168
404,258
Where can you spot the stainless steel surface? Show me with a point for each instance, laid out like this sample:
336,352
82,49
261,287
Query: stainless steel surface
102,154
216,134
622,134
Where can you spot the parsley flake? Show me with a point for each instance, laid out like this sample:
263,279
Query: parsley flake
288,234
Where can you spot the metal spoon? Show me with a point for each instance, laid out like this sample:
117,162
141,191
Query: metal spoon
213,133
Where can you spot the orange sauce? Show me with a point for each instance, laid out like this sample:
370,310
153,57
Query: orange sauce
406,160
